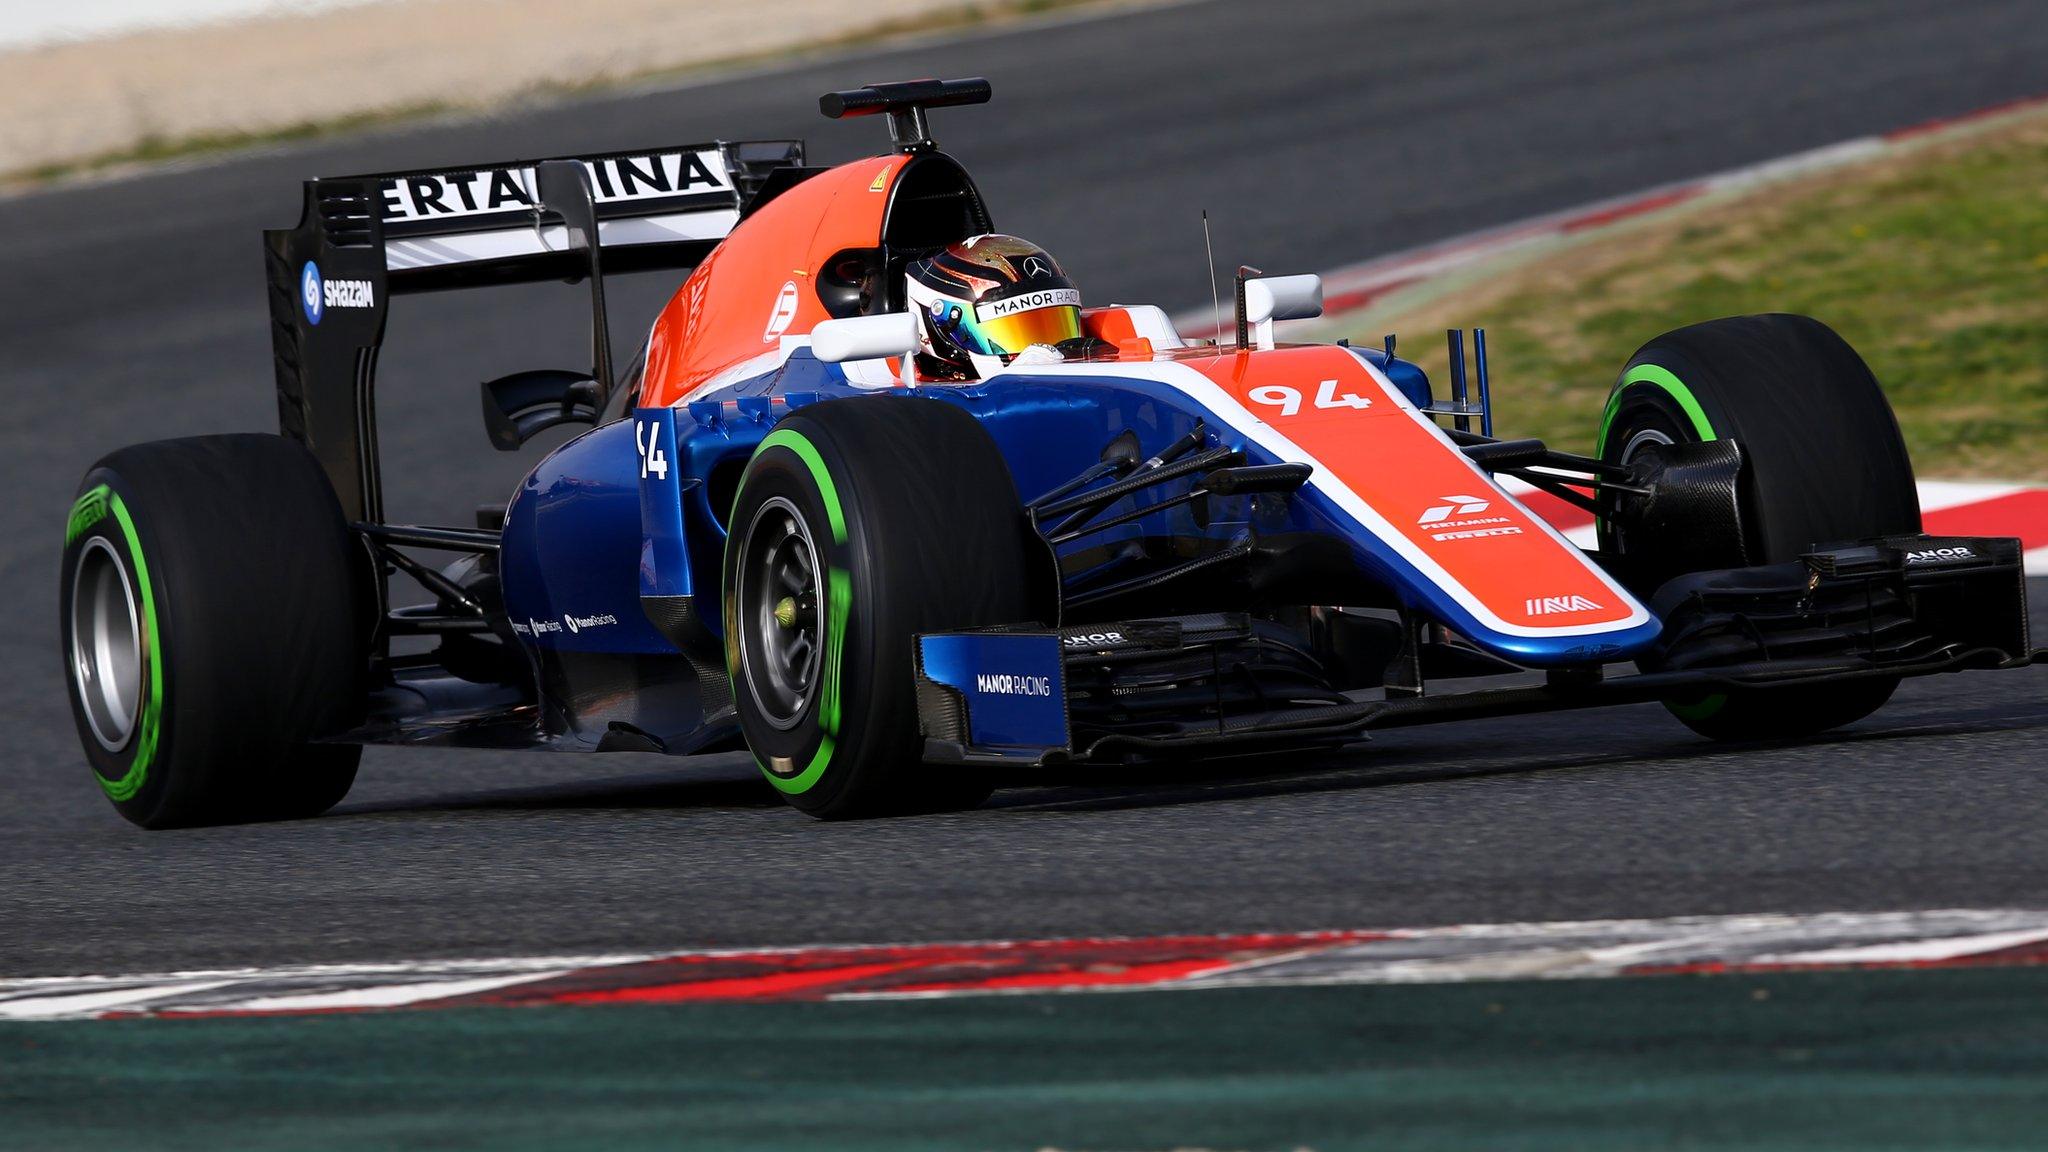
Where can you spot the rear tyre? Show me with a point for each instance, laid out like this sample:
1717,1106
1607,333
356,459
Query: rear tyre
1823,462
858,524
213,609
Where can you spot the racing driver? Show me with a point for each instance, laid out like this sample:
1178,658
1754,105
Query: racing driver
992,300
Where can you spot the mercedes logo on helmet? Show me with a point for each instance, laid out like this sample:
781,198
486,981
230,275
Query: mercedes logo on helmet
1036,266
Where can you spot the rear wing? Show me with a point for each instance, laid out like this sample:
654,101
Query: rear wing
361,239
460,227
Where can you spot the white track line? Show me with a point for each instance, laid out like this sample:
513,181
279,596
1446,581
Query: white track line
59,1005
394,995
1918,951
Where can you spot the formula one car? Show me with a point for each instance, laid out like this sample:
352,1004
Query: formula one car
787,529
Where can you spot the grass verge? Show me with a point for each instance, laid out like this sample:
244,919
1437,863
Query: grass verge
154,149
1932,261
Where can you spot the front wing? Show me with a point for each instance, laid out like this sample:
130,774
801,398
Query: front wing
1221,683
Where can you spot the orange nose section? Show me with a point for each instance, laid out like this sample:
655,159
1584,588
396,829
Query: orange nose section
1388,464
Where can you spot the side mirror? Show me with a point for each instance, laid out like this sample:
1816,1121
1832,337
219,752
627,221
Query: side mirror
1283,298
1270,298
518,406
864,337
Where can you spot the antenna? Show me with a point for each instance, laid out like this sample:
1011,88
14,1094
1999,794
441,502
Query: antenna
1215,297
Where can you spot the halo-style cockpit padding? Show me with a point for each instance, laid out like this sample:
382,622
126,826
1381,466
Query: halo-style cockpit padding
933,203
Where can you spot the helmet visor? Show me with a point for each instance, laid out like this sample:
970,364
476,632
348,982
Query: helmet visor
1009,335
1007,327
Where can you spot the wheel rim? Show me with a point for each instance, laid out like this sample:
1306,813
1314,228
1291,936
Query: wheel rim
106,644
779,589
1640,439
1643,438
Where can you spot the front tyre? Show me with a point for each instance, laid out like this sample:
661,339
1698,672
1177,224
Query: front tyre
860,523
212,610
1823,463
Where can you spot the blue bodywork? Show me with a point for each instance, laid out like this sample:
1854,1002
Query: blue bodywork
626,511
1012,685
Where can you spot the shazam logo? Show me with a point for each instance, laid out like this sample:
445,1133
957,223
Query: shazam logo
311,300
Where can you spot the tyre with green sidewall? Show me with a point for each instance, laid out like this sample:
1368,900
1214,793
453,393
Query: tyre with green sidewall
1823,462
917,527
250,602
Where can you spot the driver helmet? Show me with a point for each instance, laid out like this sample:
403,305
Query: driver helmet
985,301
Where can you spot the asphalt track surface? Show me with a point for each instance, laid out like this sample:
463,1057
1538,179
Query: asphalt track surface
1316,133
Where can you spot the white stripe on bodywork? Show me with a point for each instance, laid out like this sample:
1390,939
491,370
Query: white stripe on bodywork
1211,396
869,375
745,370
465,248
